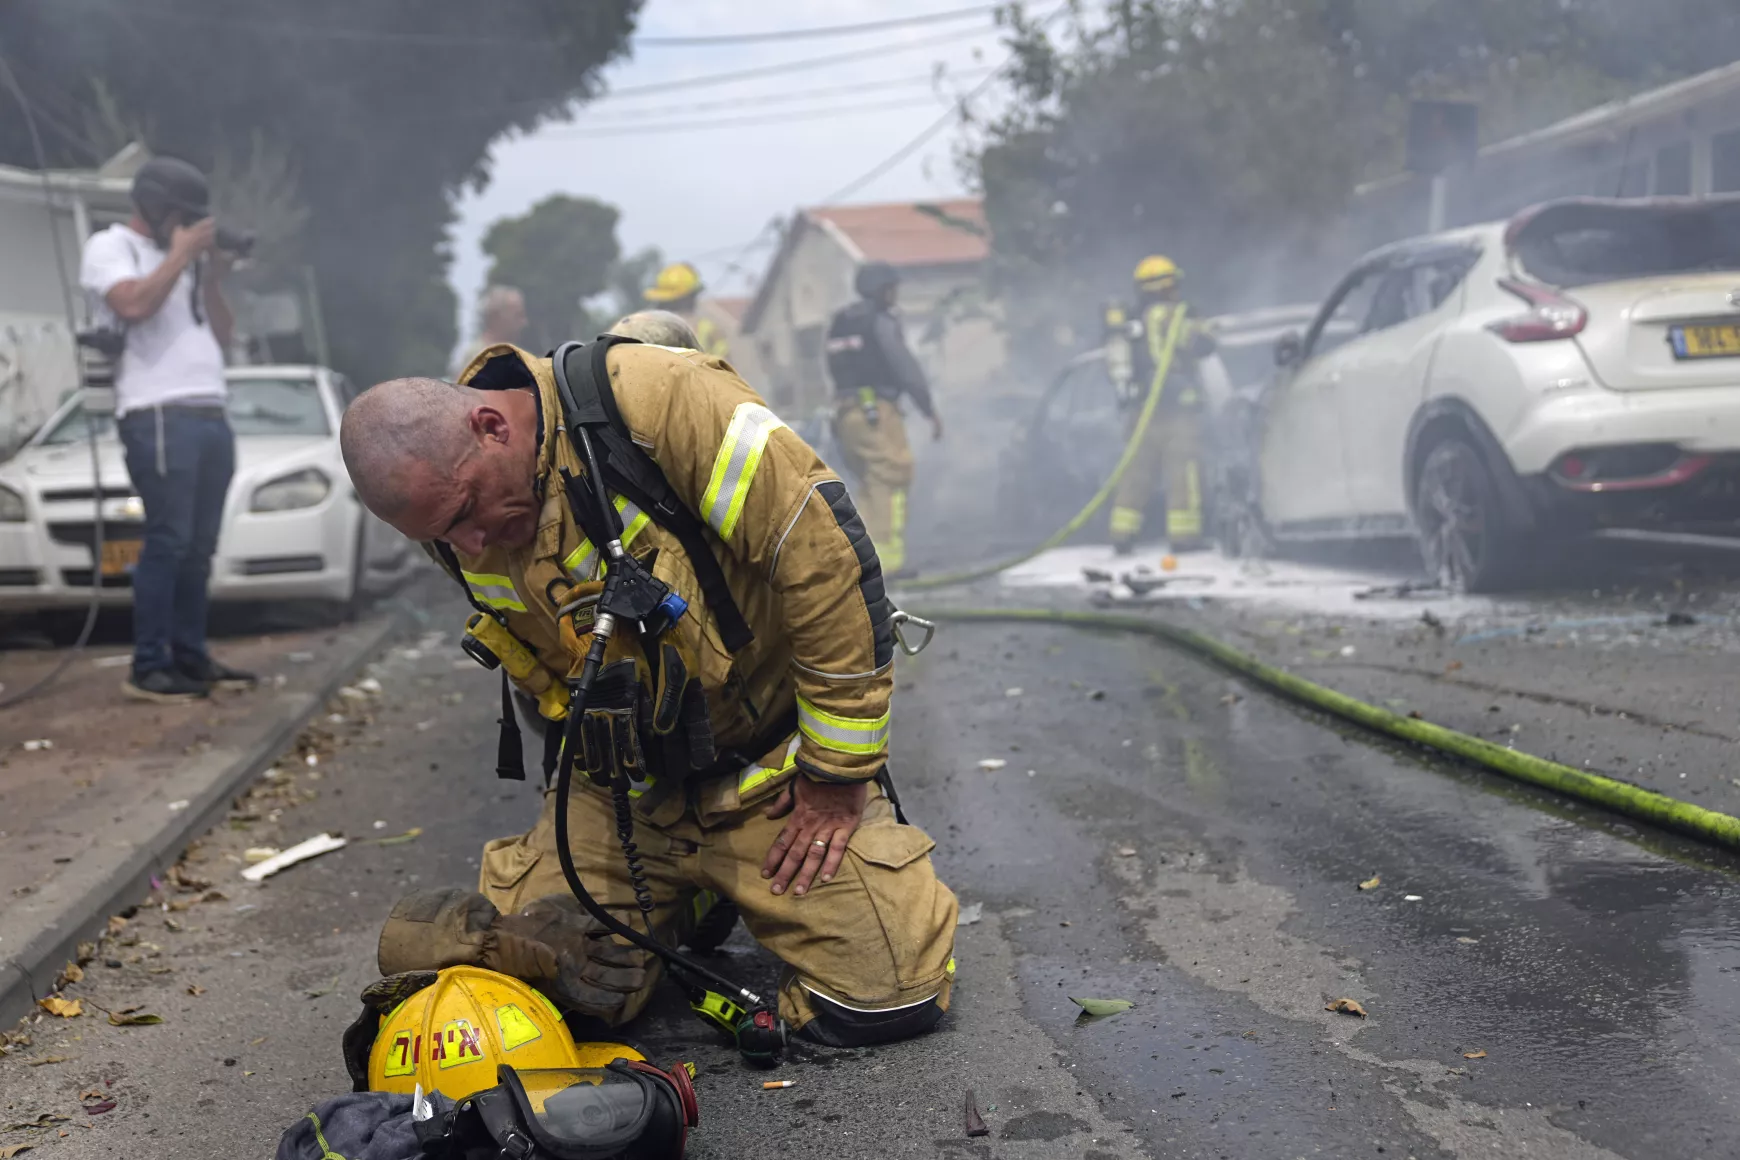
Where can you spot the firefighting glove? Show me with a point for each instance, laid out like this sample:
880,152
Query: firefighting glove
551,943
679,705
610,731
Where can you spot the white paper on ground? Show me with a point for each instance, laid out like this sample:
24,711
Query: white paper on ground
302,851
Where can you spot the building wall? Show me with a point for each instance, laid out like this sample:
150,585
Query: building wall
949,325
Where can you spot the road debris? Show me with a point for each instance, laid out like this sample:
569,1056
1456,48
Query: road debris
65,1008
992,764
776,1084
260,853
1099,1008
975,1123
11,1150
1474,1054
1014,692
37,744
301,852
409,835
195,990
1371,883
179,804
46,1060
1345,1007
970,914
1126,851
1411,898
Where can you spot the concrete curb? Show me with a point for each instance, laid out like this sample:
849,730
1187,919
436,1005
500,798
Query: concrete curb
30,973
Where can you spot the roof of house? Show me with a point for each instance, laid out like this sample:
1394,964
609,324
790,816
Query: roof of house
924,233
950,232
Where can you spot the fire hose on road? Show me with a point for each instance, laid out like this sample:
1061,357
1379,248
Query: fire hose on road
1620,797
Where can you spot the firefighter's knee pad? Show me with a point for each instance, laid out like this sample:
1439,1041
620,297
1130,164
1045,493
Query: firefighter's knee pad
837,1025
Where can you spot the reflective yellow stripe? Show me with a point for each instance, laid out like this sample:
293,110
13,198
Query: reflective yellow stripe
842,734
754,777
493,590
734,466
1126,521
582,562
1185,519
326,1152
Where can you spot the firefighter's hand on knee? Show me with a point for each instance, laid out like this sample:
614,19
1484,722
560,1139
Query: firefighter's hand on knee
820,819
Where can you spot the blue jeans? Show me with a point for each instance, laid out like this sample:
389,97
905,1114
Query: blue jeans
180,459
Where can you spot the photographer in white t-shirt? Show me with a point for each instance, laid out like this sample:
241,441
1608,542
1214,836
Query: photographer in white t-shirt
159,278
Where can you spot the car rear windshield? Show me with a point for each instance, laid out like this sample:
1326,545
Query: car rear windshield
256,407
1583,243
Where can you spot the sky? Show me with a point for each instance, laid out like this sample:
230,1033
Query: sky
705,193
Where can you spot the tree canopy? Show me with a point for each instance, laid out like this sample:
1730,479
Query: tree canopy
377,113
1226,133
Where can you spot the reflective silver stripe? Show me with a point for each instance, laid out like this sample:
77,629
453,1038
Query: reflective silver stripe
735,465
842,734
493,590
870,1010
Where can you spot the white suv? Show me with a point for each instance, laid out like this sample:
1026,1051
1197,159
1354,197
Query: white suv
1575,370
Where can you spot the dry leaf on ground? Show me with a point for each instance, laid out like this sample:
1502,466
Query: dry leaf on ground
10,1150
72,973
409,835
1474,1054
195,990
46,1060
1371,883
65,1008
147,1020
1345,1007
117,924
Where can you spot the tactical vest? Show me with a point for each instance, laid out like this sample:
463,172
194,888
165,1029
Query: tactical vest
855,357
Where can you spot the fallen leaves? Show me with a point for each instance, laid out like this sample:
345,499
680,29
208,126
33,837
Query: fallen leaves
117,924
1101,1007
195,990
1371,883
65,1008
11,1150
1345,1007
46,1060
72,973
126,1018
99,1107
1474,1054
410,835
42,1121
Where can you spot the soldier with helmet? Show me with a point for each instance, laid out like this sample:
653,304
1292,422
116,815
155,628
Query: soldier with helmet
873,370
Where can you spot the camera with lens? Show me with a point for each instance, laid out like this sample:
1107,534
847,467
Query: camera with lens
237,242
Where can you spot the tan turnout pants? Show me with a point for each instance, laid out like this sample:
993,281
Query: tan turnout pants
1170,454
879,936
880,461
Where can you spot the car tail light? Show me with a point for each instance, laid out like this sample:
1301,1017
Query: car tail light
1552,315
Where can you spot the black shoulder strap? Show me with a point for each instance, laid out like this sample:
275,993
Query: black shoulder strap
583,385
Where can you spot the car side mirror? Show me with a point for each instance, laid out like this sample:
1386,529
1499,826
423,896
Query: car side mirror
1289,349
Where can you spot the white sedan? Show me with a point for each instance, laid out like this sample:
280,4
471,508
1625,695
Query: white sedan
1574,371
293,528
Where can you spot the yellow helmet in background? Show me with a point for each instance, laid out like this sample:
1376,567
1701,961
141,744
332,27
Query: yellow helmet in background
675,282
1157,273
450,1036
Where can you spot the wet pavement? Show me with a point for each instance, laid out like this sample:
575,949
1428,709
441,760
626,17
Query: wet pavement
1540,980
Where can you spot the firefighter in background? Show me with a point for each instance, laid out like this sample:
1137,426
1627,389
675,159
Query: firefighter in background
678,289
872,368
1171,451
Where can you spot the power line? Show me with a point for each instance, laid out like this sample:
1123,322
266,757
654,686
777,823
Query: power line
809,33
604,110
633,130
929,131
791,66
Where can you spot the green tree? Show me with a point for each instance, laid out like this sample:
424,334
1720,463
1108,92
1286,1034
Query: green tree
1230,133
380,112
559,253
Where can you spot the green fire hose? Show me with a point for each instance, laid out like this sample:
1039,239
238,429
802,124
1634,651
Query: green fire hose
1132,448
1620,797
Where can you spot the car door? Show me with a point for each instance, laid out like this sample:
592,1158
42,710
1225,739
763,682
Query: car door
1304,469
1383,382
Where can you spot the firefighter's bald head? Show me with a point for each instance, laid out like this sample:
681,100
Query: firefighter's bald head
439,461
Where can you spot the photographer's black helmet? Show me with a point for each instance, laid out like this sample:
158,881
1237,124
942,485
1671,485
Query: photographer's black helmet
166,184
875,279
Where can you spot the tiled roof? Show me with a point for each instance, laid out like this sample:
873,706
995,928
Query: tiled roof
923,233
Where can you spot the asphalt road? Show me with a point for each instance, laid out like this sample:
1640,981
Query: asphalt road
1539,981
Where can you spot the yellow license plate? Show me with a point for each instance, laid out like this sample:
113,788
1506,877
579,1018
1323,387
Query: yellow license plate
119,556
1706,341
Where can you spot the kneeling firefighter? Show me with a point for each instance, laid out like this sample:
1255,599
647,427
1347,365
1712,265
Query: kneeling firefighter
639,535
1139,360
872,369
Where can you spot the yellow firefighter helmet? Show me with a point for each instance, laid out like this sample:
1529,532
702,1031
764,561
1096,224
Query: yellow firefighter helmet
675,282
1157,272
450,1036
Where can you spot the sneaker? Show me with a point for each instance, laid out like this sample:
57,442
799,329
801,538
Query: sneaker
164,686
217,674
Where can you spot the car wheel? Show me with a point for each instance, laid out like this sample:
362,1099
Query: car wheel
1467,538
350,608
